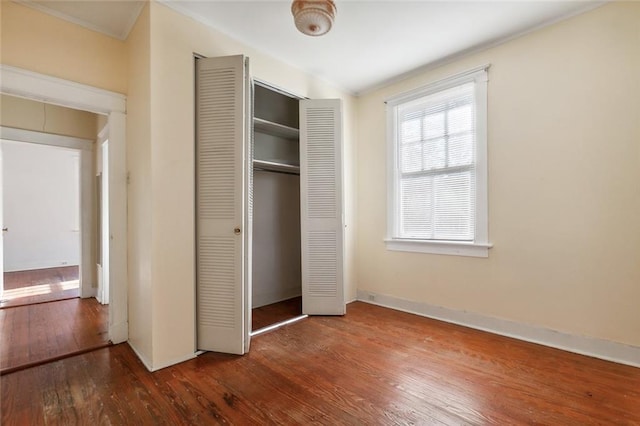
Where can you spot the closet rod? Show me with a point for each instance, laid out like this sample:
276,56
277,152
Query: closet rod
270,166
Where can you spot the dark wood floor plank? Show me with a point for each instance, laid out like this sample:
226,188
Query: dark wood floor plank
529,368
31,334
373,366
371,371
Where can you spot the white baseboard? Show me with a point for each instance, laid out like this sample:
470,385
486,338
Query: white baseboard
589,346
149,365
87,291
119,333
142,358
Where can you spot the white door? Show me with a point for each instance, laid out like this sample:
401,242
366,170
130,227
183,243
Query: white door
321,207
222,217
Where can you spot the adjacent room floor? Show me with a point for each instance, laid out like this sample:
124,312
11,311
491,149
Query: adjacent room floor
372,366
40,285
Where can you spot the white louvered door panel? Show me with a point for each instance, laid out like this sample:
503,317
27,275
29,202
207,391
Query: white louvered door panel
321,207
221,143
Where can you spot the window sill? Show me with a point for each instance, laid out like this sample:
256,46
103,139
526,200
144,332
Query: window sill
453,248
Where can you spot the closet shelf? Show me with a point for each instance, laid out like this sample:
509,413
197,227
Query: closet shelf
276,167
275,129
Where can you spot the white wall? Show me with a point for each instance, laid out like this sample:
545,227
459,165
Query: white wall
564,194
41,206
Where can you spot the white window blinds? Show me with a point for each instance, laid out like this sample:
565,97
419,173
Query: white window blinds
436,166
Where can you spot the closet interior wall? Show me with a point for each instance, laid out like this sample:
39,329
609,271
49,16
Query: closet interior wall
276,265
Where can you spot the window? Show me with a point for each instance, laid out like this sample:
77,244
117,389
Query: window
438,167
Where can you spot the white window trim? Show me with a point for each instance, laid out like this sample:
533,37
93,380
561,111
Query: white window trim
480,246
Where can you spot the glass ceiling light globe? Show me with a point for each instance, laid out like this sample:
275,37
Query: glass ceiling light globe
313,17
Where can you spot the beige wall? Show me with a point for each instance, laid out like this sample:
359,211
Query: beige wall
40,117
38,42
174,39
140,188
564,170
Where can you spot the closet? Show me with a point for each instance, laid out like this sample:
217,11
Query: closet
276,264
269,208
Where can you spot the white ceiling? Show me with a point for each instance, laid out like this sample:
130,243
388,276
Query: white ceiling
371,43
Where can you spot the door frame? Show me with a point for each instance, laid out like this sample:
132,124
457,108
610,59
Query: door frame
102,158
40,87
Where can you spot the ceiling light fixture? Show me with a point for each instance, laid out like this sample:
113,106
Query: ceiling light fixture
313,17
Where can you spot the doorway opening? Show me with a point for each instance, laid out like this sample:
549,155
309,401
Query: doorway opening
41,223
47,206
112,106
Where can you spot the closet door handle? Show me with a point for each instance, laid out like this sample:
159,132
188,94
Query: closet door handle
236,231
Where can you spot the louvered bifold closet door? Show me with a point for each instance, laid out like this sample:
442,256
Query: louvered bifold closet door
321,205
221,146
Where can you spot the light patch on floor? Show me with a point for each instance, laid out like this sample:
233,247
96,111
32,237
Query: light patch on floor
37,290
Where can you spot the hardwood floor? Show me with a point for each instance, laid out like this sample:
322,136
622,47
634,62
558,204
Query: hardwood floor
40,286
373,366
52,276
40,298
35,333
275,313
